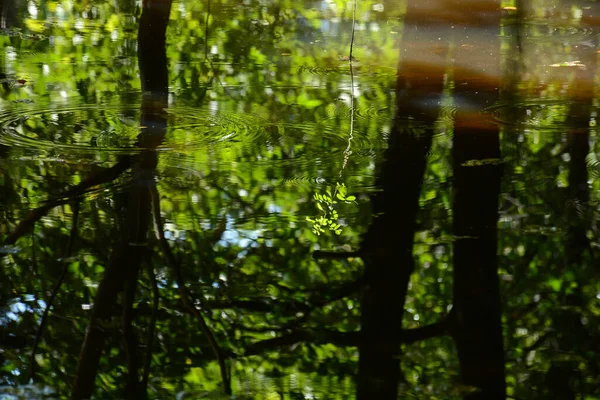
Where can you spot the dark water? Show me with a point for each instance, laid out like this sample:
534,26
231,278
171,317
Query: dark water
216,199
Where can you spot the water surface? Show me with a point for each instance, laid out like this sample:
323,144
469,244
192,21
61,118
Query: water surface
299,200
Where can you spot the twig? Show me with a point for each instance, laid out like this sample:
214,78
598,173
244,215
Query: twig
301,336
320,254
104,176
186,296
57,286
34,264
206,31
348,151
348,339
352,38
440,328
155,302
129,340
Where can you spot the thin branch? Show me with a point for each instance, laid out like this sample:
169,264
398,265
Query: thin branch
34,264
106,175
440,328
347,339
206,31
129,340
348,150
261,305
315,299
336,255
151,330
40,330
350,58
186,296
302,336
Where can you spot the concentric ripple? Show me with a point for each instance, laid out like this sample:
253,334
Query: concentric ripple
541,115
545,30
115,127
190,128
71,128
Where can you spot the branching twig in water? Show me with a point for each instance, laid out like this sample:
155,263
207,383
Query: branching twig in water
57,286
186,296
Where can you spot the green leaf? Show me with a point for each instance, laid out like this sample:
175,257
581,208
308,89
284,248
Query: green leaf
350,198
555,284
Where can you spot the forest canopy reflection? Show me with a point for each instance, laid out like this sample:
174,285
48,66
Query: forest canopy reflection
320,200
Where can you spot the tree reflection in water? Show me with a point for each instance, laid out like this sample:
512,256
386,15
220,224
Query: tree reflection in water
159,168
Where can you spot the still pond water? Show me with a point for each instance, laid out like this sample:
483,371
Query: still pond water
265,199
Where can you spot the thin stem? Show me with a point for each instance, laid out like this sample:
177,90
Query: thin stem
353,28
348,151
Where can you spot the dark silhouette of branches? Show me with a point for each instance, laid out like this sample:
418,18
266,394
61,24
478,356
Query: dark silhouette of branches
129,340
186,296
104,176
334,255
347,339
151,330
57,286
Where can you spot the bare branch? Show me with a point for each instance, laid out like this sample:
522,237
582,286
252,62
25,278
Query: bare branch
150,341
106,175
346,339
186,296
334,255
40,330
304,336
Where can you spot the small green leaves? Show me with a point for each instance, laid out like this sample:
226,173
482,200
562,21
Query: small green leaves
325,203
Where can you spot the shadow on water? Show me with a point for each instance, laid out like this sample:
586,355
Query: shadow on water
212,200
